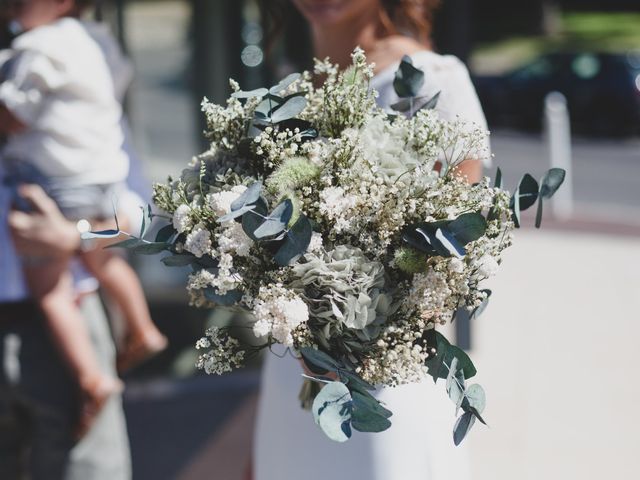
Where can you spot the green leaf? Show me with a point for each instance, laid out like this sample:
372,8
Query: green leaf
475,399
549,185
296,242
150,248
318,361
284,83
525,195
462,427
528,191
455,383
128,243
258,92
498,180
366,420
248,197
354,382
266,106
408,79
277,221
253,220
165,233
289,109
179,260
440,364
236,213
417,103
468,227
101,234
368,402
332,411
551,182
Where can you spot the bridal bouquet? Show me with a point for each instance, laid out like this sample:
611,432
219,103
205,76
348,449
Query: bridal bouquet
347,232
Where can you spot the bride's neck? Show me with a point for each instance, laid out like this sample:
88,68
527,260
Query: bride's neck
383,49
338,41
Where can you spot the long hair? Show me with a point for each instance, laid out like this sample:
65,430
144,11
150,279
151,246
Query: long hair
413,18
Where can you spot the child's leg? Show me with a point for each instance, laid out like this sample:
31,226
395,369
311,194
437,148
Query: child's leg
120,281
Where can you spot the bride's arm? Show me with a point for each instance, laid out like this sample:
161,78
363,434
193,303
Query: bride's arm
472,169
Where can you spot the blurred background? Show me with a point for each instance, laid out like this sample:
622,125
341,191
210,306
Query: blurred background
556,345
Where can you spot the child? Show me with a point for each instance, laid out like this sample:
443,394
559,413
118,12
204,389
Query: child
58,108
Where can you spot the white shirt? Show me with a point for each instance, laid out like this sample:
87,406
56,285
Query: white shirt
60,86
445,74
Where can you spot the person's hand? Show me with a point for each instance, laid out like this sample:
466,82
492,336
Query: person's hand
44,231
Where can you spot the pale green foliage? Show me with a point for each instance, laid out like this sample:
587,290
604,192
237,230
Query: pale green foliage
410,260
293,173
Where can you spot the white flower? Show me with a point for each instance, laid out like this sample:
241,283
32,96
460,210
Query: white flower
233,239
315,244
278,312
456,265
224,355
221,202
181,218
487,266
198,241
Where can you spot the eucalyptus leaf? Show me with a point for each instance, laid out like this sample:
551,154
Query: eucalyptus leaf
236,213
524,197
296,242
462,427
497,183
431,103
266,106
258,92
367,401
284,83
179,260
150,248
474,398
128,243
408,79
289,109
468,227
551,182
365,420
318,361
101,234
253,220
332,411
165,233
455,383
277,220
248,197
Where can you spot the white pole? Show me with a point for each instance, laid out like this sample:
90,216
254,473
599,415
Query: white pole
558,133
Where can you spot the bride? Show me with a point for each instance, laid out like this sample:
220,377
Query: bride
419,446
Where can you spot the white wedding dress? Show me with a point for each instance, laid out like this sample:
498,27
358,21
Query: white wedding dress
419,444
